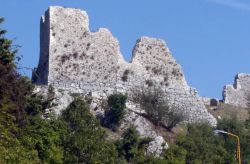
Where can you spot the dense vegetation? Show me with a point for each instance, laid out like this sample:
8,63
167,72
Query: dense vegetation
78,137
201,145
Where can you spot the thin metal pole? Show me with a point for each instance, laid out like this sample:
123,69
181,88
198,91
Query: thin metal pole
238,146
238,157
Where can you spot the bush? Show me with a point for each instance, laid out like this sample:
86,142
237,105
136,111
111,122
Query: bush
132,148
202,146
85,141
158,111
242,129
175,154
7,54
34,105
117,105
44,136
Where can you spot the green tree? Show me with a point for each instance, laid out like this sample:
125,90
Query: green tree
45,137
12,151
241,129
175,154
132,148
85,142
113,116
7,54
203,146
13,90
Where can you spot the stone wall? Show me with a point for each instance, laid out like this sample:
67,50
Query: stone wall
43,65
238,94
80,61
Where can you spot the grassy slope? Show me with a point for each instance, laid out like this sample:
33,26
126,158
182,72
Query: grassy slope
229,111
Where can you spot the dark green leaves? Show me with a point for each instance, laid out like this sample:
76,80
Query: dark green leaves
116,111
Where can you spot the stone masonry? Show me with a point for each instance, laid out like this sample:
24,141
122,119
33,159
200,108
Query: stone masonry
75,59
238,94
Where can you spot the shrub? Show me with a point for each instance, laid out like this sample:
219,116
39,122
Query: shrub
242,129
175,154
158,111
131,147
202,146
34,105
114,115
7,54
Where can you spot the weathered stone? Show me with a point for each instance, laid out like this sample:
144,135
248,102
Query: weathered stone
72,55
76,60
156,146
210,101
239,93
60,100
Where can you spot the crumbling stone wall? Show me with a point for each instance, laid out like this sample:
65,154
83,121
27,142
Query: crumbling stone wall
77,60
238,94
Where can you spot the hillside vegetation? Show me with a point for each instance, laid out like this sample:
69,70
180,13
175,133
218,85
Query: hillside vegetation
76,136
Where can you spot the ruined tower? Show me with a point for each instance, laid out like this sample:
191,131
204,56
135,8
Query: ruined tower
75,59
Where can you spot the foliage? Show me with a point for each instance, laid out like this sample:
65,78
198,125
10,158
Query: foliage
242,129
85,141
13,91
132,148
12,151
175,154
7,54
158,111
113,116
34,105
44,136
203,146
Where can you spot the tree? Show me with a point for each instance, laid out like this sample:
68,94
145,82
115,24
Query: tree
85,142
116,111
7,54
13,90
242,129
202,146
45,137
175,154
132,148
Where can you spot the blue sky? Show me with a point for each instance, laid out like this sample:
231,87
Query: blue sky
209,38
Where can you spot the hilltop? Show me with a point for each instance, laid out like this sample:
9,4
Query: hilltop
87,105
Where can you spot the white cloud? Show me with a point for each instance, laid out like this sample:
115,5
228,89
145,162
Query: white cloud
233,4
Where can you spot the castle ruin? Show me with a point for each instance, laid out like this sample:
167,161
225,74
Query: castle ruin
238,94
75,59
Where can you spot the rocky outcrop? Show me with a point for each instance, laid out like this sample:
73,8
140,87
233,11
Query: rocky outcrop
96,102
238,94
75,60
